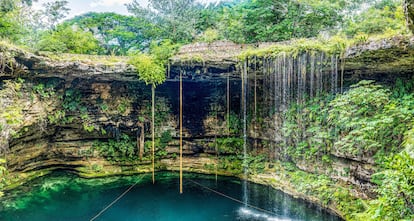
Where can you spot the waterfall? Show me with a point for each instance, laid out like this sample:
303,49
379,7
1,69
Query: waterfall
312,75
284,80
335,72
296,78
332,74
320,73
276,82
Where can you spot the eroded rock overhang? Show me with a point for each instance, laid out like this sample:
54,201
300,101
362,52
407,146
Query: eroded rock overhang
203,61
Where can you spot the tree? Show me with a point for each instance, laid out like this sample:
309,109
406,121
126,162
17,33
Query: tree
231,24
25,25
68,39
55,11
163,50
177,19
117,34
11,21
379,18
152,73
11,5
271,20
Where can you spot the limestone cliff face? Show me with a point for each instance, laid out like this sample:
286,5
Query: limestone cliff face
58,130
65,107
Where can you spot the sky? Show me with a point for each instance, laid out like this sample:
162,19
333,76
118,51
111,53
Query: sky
78,7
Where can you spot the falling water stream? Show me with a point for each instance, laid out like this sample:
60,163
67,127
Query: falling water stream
288,78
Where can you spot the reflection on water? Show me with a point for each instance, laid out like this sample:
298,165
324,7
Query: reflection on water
62,196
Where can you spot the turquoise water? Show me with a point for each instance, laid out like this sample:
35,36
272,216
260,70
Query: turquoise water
63,196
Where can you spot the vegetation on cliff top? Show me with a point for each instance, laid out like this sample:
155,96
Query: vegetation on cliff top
186,21
335,45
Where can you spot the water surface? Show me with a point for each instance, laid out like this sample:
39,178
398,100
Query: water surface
63,196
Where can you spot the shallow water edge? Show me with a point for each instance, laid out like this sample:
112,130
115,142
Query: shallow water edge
274,177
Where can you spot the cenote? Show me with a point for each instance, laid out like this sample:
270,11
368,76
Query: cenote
311,101
64,196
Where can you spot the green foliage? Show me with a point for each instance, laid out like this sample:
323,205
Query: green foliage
229,145
163,51
234,123
73,109
71,100
96,168
163,112
209,35
266,21
119,33
12,114
306,130
55,11
44,92
149,71
382,17
230,23
335,45
23,24
183,21
362,121
165,138
56,117
368,120
395,186
402,88
255,163
160,144
124,105
232,164
323,188
68,39
160,148
88,127
124,148
11,25
2,175
117,150
173,19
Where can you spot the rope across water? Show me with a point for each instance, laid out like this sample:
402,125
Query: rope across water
117,199
233,199
192,181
